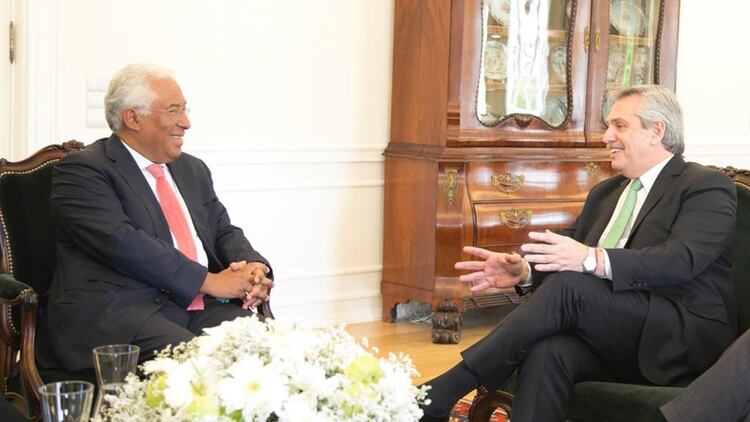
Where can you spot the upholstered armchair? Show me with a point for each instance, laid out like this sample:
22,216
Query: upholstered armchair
27,265
27,243
615,402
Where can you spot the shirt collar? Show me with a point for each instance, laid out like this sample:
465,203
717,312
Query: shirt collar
649,177
141,161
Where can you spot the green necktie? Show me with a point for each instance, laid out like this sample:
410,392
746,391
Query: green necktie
617,229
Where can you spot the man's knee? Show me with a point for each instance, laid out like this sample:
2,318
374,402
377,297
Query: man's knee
563,349
565,353
568,282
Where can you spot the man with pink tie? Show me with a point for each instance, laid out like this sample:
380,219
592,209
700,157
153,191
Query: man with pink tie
146,253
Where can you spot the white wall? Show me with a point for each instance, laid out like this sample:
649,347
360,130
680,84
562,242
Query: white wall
290,105
713,81
290,109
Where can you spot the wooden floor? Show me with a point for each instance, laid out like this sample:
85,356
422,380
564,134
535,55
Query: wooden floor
415,339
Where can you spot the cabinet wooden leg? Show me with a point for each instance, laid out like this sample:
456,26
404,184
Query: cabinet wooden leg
446,322
389,302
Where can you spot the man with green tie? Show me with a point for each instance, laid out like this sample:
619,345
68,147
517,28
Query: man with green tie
638,289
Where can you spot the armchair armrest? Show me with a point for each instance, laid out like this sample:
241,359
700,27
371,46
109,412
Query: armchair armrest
264,310
10,288
18,309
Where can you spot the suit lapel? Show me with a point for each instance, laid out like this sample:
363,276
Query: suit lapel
605,210
125,165
665,179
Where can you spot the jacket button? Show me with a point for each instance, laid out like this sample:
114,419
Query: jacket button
158,301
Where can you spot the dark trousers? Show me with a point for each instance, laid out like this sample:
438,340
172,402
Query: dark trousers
573,328
172,325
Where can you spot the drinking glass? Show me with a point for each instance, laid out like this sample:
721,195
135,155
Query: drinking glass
66,401
113,363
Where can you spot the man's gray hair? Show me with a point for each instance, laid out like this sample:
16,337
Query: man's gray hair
658,104
129,88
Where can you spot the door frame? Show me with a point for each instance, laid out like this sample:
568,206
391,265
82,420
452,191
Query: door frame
31,108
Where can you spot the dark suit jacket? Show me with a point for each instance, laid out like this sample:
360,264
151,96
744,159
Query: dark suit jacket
116,263
677,252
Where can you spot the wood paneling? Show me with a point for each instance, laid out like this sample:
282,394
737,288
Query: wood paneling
409,242
420,71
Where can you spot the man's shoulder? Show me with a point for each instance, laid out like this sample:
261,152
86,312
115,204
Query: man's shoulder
697,175
189,163
189,159
89,150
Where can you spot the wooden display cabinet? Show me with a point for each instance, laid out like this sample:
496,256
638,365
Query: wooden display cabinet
495,132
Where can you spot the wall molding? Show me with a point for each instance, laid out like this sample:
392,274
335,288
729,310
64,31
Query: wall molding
243,155
311,300
353,302
724,154
311,314
313,186
306,275
719,150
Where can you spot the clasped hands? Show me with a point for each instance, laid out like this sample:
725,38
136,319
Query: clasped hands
552,252
242,280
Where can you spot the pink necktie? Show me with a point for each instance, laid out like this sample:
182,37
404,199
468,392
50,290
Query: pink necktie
177,223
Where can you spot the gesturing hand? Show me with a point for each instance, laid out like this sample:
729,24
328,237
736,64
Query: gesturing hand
499,270
556,253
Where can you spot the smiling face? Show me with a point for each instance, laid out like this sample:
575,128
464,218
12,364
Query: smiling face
158,134
633,149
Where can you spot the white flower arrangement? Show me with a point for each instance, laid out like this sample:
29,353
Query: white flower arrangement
249,370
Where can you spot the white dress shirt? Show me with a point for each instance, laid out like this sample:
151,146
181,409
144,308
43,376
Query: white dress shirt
143,163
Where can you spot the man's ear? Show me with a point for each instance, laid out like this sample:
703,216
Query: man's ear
658,129
131,119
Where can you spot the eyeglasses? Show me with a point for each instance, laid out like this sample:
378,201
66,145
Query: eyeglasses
175,113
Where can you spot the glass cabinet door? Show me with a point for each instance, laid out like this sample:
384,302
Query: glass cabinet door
633,26
634,43
524,61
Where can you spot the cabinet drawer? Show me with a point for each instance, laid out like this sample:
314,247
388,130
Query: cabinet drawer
524,180
502,224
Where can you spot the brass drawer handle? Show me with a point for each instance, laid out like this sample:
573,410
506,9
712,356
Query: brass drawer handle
516,219
591,168
450,185
507,183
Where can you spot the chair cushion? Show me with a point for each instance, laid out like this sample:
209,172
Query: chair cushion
595,401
